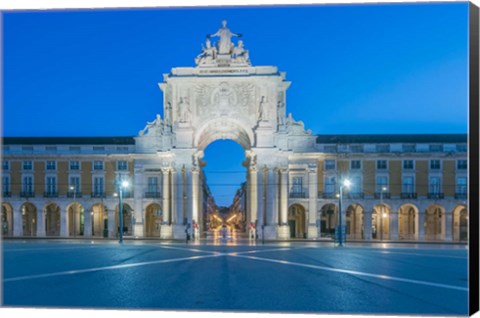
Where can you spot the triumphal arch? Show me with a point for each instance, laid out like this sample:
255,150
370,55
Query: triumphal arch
224,97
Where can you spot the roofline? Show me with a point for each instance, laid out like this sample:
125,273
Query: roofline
112,140
391,138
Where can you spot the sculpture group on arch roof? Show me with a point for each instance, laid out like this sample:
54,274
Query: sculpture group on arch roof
225,48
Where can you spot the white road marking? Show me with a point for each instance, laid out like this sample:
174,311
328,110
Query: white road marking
418,254
105,268
357,273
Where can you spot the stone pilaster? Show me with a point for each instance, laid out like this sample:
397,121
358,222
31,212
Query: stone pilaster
17,222
312,231
138,213
195,195
87,226
40,223
420,230
394,225
252,190
112,231
166,196
283,231
447,227
260,199
367,224
63,222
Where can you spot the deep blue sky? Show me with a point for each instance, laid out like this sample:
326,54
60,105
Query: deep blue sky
391,68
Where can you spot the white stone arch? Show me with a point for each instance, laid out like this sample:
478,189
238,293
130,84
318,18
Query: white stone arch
99,213
297,220
354,221
408,222
6,219
128,221
51,214
223,128
460,223
75,217
435,224
153,219
328,218
382,219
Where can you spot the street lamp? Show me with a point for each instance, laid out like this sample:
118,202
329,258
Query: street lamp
382,213
74,189
346,183
123,185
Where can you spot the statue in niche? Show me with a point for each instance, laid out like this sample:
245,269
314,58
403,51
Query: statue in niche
239,52
157,124
208,54
225,35
184,111
281,112
263,110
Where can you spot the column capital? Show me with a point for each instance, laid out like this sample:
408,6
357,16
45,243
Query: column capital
166,169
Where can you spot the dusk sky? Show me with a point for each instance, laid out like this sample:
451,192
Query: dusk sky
355,69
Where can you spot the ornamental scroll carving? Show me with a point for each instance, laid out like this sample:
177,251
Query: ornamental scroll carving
233,98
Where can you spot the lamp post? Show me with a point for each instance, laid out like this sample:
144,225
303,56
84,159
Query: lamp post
74,189
382,214
346,183
123,185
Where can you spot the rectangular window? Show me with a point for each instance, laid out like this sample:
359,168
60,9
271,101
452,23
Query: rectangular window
330,148
381,164
462,165
408,148
27,165
355,164
329,164
356,186
98,186
27,185
297,185
6,184
97,165
122,165
382,148
74,165
152,184
98,148
434,164
408,184
408,165
74,182
330,185
51,165
461,147
434,185
51,185
381,182
435,148
356,148
74,148
461,185
6,165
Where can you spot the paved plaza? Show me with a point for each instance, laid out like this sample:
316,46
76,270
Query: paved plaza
237,276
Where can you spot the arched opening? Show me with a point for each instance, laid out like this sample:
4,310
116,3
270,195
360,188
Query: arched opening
354,222
127,220
76,219
224,201
381,222
407,222
296,221
99,220
328,220
153,220
435,223
7,220
460,223
52,220
29,219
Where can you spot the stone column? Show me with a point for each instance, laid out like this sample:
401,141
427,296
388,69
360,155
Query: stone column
112,231
283,232
87,226
40,223
17,222
252,190
195,194
179,230
367,224
420,233
260,199
447,226
270,211
166,195
173,196
63,221
312,201
189,193
138,213
394,224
